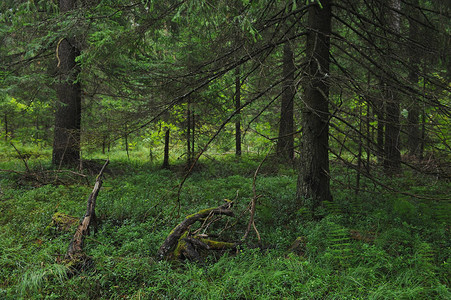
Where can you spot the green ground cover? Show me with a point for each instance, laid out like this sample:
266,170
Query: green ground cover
374,245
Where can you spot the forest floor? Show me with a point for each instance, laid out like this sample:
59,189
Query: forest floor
375,244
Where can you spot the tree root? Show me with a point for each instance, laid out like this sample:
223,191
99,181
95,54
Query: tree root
181,244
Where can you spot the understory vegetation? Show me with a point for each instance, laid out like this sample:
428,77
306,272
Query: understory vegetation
374,244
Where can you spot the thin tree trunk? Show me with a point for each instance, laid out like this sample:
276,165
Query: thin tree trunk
193,128
66,141
285,142
413,118
380,116
166,149
392,159
126,142
369,135
359,155
188,134
313,182
423,132
238,115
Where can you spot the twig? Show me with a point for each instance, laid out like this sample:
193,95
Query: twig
254,201
22,158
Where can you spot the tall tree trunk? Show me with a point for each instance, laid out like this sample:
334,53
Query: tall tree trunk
193,128
413,118
66,140
166,149
380,117
392,159
285,142
188,134
126,141
313,185
237,108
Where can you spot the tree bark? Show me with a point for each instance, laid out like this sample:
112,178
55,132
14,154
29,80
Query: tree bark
166,149
66,141
188,135
413,138
380,116
238,115
285,142
313,185
392,159
76,245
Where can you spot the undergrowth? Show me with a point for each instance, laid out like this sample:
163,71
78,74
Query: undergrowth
372,245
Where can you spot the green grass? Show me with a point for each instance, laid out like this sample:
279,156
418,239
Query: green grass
408,254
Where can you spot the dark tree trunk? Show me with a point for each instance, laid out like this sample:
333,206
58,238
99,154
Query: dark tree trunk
285,142
392,159
166,150
188,135
380,117
313,182
238,115
66,141
193,128
126,142
413,118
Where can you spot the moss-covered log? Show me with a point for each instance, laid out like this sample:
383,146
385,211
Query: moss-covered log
179,242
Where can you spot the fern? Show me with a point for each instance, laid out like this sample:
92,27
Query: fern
332,207
339,244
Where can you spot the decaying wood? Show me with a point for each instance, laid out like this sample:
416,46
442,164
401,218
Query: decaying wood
179,242
76,245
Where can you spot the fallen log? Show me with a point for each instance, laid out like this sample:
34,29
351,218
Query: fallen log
180,243
75,255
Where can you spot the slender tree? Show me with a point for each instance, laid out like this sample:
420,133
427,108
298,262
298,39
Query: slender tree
66,141
166,149
237,108
313,182
413,130
285,142
392,158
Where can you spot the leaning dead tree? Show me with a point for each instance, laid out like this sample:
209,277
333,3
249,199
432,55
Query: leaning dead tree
75,254
181,243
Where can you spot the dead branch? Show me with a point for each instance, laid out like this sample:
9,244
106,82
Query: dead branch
254,201
178,237
21,157
75,249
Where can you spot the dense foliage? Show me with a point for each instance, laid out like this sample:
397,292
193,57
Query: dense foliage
332,116
375,245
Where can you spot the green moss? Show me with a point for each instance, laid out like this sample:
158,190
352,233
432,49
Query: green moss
216,245
207,210
63,221
181,245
